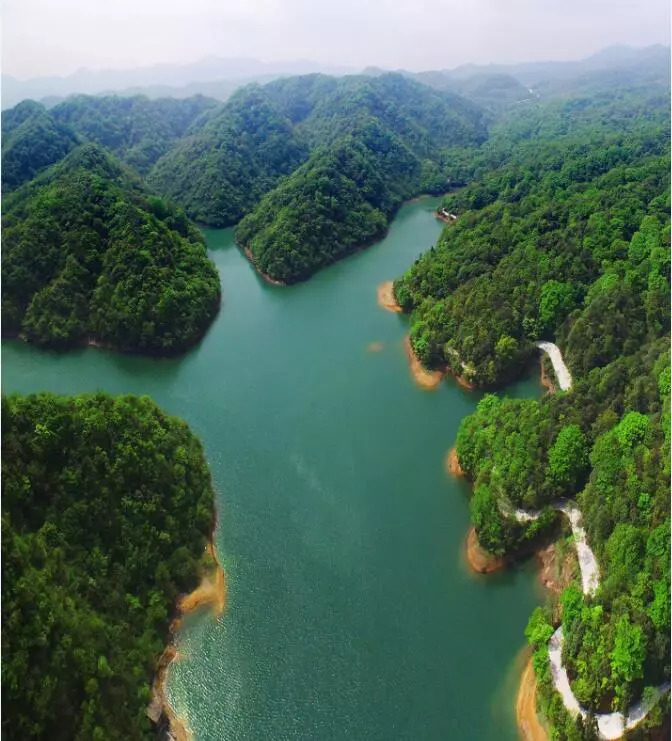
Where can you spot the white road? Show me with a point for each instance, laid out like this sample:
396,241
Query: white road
561,370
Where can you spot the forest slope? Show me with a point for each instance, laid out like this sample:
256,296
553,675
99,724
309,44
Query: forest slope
220,171
106,510
383,140
564,235
550,208
88,255
135,129
31,141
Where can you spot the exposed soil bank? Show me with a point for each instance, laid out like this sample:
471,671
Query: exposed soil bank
545,381
480,560
248,254
386,298
426,379
461,380
211,591
556,574
453,464
526,711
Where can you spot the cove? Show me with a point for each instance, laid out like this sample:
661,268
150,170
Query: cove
351,612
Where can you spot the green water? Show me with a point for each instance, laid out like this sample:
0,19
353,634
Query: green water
351,613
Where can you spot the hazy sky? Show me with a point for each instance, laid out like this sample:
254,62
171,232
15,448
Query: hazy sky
47,37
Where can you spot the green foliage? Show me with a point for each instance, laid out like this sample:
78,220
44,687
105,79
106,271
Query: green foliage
539,628
554,201
134,128
339,200
568,458
632,429
107,506
31,141
565,234
555,303
88,256
375,142
221,170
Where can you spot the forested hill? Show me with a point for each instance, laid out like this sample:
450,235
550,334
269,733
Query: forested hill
339,200
384,140
265,133
220,172
136,129
107,506
542,241
564,234
88,255
31,141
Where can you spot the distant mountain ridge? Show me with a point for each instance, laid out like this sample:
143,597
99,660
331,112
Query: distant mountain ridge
487,84
162,79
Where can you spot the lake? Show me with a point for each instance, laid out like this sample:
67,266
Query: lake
351,611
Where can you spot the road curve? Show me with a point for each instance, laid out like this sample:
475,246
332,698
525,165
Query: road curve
561,370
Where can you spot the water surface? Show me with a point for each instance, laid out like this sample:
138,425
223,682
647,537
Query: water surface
351,613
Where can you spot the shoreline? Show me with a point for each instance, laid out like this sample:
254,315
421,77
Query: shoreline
452,463
386,299
211,591
528,722
443,218
545,380
426,379
461,380
479,560
272,281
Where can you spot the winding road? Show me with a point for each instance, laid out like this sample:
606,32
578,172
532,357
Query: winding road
611,726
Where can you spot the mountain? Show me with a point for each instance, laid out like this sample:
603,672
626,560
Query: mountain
90,256
382,140
219,173
136,129
527,244
497,87
31,141
204,71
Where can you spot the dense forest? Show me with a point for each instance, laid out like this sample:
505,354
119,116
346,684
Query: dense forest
563,234
135,129
265,133
89,255
384,140
550,209
31,141
219,172
106,510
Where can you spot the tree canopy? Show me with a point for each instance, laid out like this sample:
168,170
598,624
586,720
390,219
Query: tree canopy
89,255
568,240
107,506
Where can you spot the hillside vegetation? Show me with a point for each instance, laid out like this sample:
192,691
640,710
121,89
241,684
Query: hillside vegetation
563,234
219,173
31,141
107,506
135,129
88,255
550,208
384,140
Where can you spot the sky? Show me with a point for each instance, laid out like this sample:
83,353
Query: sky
57,37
